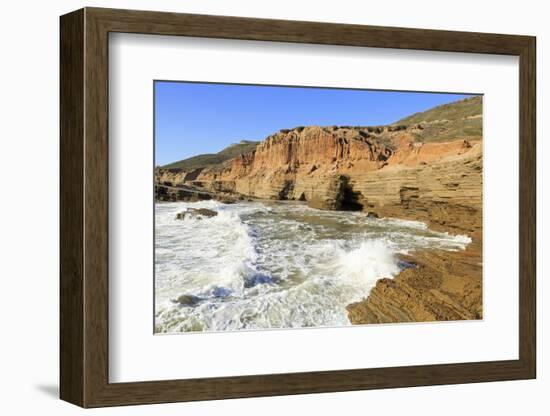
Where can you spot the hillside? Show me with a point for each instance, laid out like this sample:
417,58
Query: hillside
452,111
456,120
213,159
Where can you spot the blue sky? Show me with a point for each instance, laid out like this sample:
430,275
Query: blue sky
196,118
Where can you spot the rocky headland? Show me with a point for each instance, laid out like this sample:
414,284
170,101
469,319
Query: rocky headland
427,167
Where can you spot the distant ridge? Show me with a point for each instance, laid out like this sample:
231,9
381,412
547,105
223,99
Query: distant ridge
212,159
452,111
459,119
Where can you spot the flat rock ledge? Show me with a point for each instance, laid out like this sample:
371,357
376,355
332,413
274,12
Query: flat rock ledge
445,286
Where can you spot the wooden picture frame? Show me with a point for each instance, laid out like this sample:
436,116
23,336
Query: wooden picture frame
84,207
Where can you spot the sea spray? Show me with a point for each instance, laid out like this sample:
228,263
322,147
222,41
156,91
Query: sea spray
364,265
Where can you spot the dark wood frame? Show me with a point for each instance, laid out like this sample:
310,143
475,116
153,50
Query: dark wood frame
84,207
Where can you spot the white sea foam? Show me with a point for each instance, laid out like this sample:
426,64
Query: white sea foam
279,266
200,254
364,265
405,223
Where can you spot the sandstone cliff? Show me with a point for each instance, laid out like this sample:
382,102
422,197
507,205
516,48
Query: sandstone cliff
352,168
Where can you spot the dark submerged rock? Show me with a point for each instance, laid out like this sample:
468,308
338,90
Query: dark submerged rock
258,279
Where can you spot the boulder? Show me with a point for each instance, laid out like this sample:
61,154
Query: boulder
187,300
198,213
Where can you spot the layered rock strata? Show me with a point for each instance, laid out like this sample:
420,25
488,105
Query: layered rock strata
442,286
352,168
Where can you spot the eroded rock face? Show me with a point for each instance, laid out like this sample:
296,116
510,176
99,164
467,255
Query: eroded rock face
317,146
384,171
305,163
446,193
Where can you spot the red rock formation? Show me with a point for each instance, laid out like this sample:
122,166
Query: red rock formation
293,151
383,170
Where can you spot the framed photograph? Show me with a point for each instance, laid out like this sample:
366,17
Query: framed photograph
255,207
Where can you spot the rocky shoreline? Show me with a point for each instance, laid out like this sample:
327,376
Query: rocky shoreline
435,285
442,286
428,171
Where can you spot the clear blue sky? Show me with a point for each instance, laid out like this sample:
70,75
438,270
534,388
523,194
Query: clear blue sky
197,118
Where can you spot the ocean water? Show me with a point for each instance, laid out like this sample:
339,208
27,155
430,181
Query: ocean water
263,265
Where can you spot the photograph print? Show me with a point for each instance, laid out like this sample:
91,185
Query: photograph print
281,207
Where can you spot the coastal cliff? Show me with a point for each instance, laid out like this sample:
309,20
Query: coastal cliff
426,168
